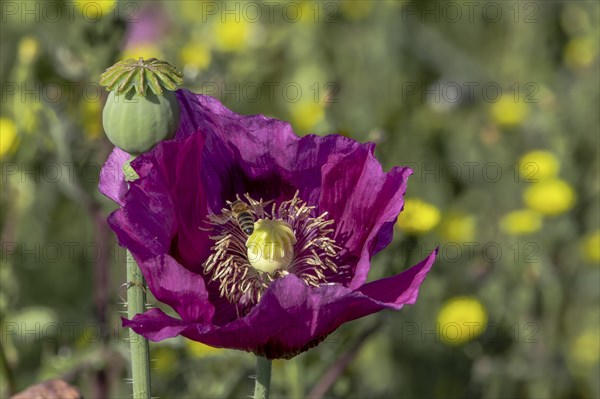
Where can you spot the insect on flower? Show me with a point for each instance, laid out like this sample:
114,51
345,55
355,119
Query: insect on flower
242,213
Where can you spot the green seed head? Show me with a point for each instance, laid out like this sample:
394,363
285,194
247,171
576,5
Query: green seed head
137,123
142,109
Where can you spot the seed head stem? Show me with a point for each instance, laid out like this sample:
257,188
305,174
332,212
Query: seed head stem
263,378
140,356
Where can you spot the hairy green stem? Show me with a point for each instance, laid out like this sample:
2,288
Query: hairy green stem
263,378
140,356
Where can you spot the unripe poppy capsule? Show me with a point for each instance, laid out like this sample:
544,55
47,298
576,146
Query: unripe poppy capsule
141,109
136,123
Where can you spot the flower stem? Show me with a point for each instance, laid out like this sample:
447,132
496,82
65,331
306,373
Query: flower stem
263,378
140,357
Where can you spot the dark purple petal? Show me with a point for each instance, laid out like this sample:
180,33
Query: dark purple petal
165,208
112,180
155,325
147,221
292,316
257,155
365,202
181,165
178,287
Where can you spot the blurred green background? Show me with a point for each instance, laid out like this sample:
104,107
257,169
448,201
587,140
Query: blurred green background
493,103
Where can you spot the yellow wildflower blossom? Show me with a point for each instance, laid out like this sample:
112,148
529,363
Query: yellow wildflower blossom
549,197
458,227
95,9
195,55
233,34
509,112
28,49
591,247
418,217
580,52
306,115
521,222
538,165
8,136
461,319
584,351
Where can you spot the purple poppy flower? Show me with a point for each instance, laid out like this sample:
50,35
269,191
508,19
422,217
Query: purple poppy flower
323,207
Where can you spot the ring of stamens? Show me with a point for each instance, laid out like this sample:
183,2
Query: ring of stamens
314,258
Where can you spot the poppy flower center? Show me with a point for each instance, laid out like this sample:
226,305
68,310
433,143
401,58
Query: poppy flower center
271,245
257,242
